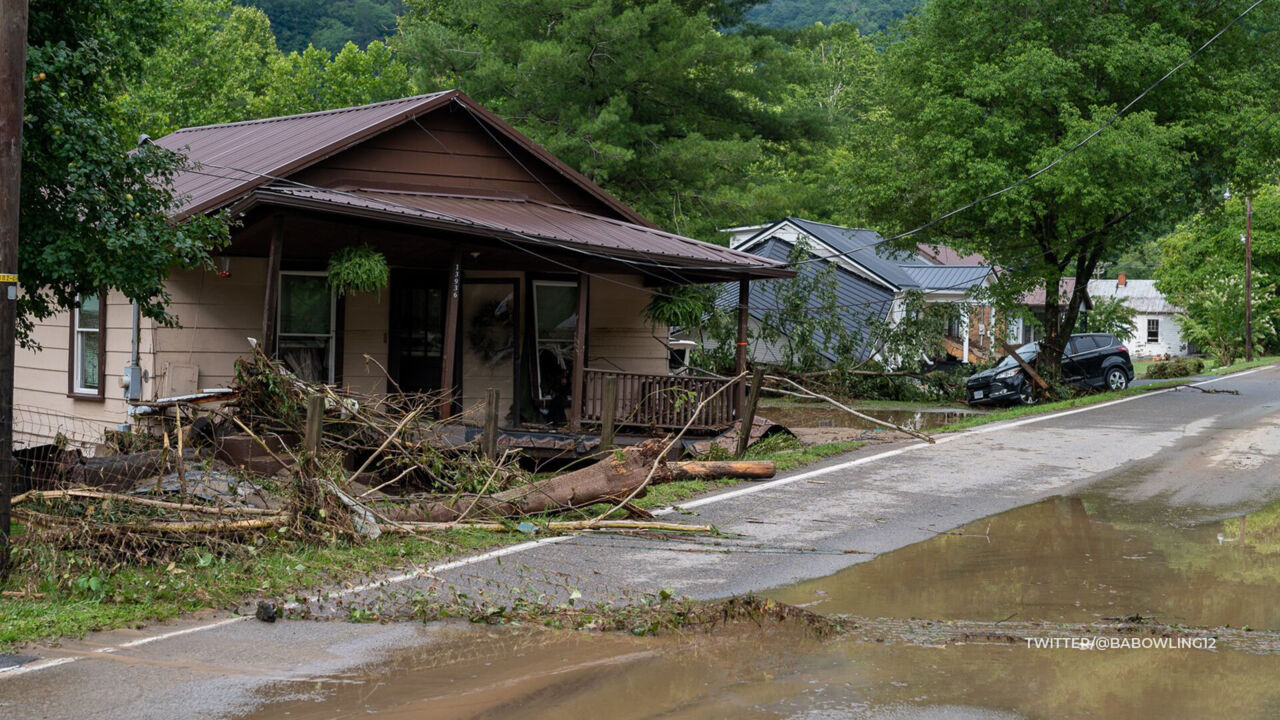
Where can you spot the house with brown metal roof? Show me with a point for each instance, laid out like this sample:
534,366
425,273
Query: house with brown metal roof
510,271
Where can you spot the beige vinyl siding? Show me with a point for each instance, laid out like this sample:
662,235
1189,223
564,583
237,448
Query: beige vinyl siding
216,316
42,408
366,329
619,337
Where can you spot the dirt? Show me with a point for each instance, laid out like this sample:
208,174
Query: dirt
938,630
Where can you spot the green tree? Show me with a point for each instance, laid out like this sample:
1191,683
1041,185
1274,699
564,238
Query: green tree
868,15
647,98
95,211
329,24
1202,271
215,63
218,62
1112,315
979,93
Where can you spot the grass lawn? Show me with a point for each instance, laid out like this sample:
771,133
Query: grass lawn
65,595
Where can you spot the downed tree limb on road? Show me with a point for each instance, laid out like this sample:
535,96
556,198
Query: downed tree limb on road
617,477
557,526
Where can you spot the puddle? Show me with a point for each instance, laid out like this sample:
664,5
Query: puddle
1065,560
1062,560
815,415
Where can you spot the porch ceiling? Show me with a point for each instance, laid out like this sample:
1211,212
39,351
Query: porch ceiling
538,227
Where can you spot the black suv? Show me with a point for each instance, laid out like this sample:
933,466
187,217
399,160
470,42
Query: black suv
1096,360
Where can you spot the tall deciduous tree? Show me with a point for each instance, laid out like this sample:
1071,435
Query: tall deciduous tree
1202,271
650,99
980,93
95,210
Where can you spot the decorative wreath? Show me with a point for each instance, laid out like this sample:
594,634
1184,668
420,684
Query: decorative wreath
491,331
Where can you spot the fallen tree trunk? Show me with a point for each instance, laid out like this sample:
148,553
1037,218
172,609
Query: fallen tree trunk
615,478
709,470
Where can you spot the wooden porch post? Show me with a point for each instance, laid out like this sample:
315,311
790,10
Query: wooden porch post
271,303
448,360
740,365
578,392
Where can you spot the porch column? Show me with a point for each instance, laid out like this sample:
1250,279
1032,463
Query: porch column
271,303
449,354
965,359
578,391
740,364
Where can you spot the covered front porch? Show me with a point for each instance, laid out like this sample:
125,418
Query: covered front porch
538,306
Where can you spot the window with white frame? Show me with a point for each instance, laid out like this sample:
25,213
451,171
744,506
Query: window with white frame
555,309
1153,330
305,325
88,326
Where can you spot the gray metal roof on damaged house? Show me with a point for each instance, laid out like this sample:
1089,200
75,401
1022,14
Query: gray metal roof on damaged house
947,278
865,247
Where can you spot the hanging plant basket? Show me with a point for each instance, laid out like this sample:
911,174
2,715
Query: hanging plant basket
358,269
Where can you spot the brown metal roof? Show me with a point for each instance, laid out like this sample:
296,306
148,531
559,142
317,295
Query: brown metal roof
533,223
261,150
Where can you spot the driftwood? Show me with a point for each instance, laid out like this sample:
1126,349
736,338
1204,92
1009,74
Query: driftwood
707,470
615,478
565,526
162,504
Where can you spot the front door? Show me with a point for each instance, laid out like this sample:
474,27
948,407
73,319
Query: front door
415,342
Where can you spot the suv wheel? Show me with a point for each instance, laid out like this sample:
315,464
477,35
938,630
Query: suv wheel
1117,379
1027,394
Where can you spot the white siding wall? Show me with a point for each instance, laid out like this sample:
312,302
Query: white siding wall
1170,342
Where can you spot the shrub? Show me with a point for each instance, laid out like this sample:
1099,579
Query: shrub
1175,368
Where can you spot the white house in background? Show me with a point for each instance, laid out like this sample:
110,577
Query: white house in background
1158,323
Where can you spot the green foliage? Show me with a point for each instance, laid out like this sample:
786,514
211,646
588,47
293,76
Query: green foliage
1202,271
680,120
95,214
329,24
868,15
805,320
680,306
1175,368
978,93
218,62
358,269
1112,315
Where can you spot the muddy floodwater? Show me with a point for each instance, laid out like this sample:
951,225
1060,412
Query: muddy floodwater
1059,565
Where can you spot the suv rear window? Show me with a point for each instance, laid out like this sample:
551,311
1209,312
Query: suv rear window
1082,343
1105,341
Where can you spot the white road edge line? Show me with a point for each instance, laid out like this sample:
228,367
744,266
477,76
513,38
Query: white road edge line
512,549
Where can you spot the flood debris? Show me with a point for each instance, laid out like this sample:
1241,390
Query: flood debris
279,456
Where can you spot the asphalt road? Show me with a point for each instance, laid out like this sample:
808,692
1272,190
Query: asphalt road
1207,455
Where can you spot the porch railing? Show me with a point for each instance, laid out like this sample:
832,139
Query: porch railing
658,402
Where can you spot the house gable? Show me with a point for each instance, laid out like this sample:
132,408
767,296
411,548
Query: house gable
452,151
788,232
233,159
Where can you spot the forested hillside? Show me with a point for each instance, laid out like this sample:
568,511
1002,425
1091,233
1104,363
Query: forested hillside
869,15
328,24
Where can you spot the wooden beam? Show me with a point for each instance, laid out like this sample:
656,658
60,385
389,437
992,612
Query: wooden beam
489,439
452,308
608,408
577,393
271,302
749,415
740,362
1031,372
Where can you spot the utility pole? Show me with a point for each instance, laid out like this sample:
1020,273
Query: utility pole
13,72
1248,279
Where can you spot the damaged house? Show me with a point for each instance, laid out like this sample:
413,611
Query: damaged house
509,271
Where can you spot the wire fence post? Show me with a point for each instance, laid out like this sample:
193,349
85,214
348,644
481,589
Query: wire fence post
608,409
489,441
